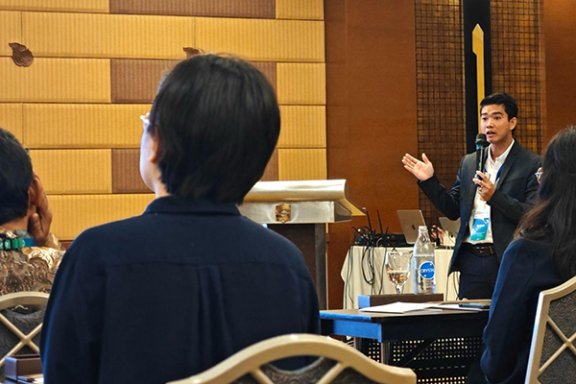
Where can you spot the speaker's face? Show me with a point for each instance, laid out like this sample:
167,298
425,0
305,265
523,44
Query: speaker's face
496,125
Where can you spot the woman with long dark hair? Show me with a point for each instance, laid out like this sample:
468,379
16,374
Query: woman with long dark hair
542,256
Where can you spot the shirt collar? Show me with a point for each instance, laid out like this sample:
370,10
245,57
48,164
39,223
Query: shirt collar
14,240
178,205
502,158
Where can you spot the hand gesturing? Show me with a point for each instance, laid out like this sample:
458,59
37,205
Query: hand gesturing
423,170
41,217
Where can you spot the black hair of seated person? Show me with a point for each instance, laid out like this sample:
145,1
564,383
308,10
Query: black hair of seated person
553,217
501,98
15,178
217,121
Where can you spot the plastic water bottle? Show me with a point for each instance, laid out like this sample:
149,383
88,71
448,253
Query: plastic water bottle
423,270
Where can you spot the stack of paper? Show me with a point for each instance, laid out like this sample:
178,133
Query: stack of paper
402,307
398,307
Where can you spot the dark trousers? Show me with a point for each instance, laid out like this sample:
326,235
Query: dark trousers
477,280
477,273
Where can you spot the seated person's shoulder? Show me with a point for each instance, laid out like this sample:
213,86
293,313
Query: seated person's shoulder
28,268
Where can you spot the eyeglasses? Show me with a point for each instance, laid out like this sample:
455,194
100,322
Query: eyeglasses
538,174
145,120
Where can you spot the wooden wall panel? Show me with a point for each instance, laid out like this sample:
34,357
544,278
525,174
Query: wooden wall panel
11,119
269,70
96,68
371,115
56,5
55,80
136,81
300,9
9,31
83,126
110,36
301,164
271,171
263,40
126,172
220,8
560,58
301,83
303,126
75,213
74,171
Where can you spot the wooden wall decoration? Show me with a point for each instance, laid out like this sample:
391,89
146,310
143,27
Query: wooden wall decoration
94,69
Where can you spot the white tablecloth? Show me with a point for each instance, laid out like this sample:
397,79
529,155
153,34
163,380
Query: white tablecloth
363,273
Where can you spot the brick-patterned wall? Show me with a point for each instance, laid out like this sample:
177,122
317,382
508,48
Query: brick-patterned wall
96,68
517,65
440,88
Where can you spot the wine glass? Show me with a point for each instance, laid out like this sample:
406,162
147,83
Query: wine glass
398,268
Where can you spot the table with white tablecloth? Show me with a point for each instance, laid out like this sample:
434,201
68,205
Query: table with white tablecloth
363,273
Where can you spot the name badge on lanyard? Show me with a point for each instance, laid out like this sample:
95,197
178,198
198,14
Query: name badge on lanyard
481,220
480,226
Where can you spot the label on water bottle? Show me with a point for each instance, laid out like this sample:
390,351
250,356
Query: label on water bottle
426,270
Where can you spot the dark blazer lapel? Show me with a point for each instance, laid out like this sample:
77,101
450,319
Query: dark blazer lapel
507,166
470,172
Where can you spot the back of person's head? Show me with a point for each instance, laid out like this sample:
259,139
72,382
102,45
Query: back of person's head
554,215
217,122
504,99
558,181
15,178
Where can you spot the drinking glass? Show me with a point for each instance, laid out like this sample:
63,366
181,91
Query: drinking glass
398,268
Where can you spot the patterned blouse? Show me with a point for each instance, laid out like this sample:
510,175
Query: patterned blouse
25,267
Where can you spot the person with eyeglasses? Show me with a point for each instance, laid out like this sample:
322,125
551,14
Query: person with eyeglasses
170,293
542,256
538,174
489,203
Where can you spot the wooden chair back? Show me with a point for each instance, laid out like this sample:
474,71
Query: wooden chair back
338,363
553,352
18,329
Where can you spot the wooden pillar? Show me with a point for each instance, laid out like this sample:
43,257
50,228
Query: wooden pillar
311,239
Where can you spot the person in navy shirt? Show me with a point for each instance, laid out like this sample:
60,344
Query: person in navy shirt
172,292
541,257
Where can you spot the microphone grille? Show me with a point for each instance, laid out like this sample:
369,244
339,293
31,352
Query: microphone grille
481,140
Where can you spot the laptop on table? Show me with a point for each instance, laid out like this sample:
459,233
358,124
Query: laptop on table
410,220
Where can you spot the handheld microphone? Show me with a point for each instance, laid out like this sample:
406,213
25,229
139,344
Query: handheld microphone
481,145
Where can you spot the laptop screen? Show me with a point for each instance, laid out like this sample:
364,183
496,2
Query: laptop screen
451,227
410,220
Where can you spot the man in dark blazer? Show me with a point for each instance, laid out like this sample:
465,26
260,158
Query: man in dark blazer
489,203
